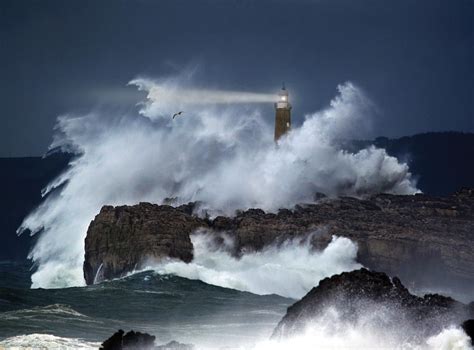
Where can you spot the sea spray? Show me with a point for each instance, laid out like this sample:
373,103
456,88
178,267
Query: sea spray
319,336
225,158
289,269
448,339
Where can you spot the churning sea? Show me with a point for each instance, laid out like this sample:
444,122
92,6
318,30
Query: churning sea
169,307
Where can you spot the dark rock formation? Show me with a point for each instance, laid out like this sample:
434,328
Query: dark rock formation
139,341
420,238
363,294
129,341
123,238
468,327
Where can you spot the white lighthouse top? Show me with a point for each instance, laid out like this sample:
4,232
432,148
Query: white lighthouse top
283,98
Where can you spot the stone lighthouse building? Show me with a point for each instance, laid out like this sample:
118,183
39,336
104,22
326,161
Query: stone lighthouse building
282,114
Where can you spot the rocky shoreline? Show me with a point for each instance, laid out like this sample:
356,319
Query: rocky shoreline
427,241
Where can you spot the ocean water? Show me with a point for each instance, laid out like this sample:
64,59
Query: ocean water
166,306
189,311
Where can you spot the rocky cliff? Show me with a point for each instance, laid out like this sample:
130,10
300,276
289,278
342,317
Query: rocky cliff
425,240
373,300
123,238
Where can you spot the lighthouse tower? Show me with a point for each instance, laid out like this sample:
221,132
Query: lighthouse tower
282,114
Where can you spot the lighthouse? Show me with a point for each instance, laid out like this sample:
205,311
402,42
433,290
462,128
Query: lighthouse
282,114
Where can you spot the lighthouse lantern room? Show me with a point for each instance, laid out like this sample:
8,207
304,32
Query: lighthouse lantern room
282,114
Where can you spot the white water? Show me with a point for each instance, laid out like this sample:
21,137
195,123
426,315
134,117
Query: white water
379,326
45,341
224,157
290,269
97,274
317,336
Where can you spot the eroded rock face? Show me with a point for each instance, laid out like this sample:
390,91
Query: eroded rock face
124,238
424,240
364,298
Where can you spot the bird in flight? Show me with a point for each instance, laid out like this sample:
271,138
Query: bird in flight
177,114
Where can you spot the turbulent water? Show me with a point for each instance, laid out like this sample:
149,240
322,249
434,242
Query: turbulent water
223,155
167,306
171,307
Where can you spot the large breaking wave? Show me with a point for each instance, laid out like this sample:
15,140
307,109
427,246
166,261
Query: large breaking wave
220,154
289,269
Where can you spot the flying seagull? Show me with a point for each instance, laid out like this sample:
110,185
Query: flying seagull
177,114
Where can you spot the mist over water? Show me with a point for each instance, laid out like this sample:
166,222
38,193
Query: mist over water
221,154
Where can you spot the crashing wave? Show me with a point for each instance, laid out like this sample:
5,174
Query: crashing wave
224,157
289,269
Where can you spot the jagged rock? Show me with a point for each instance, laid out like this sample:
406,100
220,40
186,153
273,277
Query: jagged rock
114,342
129,341
361,294
139,341
425,240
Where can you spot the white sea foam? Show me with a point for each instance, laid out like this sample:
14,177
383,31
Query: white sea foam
289,269
223,156
317,337
45,341
371,331
450,339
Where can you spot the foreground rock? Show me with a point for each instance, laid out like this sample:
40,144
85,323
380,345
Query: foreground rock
129,341
371,299
139,341
419,238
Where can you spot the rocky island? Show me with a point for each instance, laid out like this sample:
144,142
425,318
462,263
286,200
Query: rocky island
392,232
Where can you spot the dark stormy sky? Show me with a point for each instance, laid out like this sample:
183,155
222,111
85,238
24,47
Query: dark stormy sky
413,58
